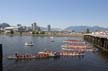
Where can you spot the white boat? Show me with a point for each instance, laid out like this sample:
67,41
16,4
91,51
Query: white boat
51,37
86,49
28,44
67,49
72,54
14,57
91,49
50,53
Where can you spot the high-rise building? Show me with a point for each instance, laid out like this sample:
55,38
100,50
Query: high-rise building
34,26
18,25
49,28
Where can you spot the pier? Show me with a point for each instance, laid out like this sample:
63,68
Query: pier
100,41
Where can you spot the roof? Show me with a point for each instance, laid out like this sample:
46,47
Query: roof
7,28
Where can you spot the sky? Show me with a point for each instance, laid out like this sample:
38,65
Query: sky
57,13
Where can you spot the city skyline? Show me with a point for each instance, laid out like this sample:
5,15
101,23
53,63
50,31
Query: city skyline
57,13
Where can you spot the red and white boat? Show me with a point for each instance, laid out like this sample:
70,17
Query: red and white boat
34,56
74,41
74,46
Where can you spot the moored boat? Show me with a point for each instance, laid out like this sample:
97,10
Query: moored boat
73,49
74,46
71,53
92,49
73,40
83,49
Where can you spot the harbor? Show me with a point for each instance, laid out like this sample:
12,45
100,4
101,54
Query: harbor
71,48
53,35
70,56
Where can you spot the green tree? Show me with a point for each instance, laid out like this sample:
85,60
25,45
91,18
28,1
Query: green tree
42,32
11,32
37,32
33,32
73,30
20,32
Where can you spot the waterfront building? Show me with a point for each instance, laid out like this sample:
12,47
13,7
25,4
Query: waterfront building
28,28
100,33
34,26
9,29
39,29
49,28
21,28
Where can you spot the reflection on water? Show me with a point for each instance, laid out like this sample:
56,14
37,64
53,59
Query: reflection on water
92,61
1,66
103,55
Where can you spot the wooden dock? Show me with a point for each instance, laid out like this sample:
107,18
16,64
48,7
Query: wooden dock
100,41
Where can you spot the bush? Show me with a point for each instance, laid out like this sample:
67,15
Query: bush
42,32
11,32
37,32
33,32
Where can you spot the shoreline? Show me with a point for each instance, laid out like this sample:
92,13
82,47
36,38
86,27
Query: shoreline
45,35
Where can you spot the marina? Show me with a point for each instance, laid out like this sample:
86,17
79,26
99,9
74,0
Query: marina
53,35
74,48
28,57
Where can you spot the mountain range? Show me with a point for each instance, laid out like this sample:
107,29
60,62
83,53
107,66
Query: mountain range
84,28
79,28
3,25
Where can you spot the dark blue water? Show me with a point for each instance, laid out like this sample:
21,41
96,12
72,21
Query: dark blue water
92,61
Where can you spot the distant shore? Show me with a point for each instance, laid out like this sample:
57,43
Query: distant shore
46,35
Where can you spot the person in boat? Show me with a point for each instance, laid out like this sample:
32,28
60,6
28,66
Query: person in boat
57,53
16,55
